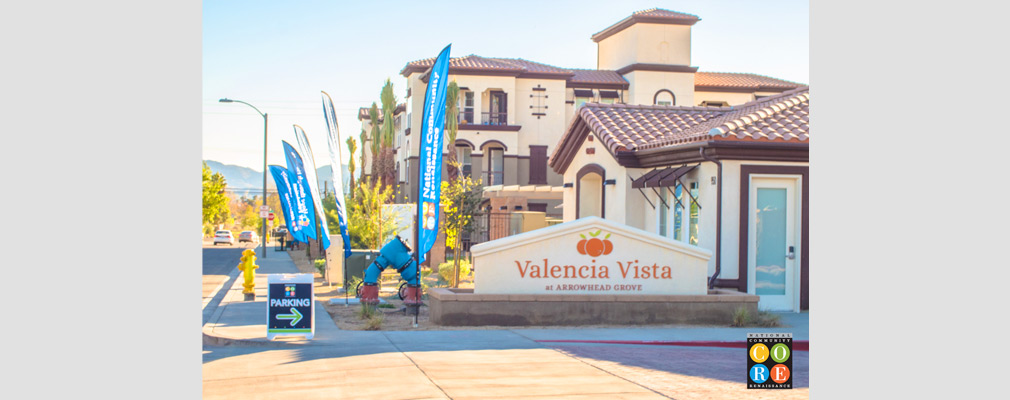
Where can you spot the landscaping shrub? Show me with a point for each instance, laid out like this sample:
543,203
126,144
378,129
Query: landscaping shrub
446,272
374,323
740,317
352,286
767,319
366,312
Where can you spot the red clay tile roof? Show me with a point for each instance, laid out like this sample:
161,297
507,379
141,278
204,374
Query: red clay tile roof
662,13
652,16
596,77
590,77
782,117
363,112
469,63
622,127
754,82
534,67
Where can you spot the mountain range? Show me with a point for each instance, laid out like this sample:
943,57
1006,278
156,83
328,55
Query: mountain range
244,181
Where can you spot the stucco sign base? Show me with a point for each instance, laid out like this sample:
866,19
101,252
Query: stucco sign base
461,307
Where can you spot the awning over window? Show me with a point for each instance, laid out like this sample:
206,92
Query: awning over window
583,92
662,177
608,94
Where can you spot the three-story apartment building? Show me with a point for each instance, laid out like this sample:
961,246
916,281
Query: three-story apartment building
513,112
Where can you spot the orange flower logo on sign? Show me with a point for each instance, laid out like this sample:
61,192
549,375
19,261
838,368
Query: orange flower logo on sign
595,246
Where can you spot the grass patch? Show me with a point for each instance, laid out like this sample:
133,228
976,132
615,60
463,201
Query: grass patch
767,319
742,317
374,323
366,312
386,305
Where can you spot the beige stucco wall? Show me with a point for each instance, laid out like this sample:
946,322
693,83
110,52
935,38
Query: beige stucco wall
627,205
731,97
645,84
646,43
615,210
546,130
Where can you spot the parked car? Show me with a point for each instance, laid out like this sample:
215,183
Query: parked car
248,236
224,237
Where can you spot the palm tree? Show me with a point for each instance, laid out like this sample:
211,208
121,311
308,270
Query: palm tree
451,128
364,140
373,115
387,166
352,146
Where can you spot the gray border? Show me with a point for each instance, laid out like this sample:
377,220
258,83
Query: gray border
101,129
908,216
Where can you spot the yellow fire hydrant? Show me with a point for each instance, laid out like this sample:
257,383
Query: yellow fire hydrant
248,268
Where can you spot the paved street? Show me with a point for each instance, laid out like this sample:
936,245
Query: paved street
219,264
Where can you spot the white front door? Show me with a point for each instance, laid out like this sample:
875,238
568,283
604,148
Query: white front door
773,248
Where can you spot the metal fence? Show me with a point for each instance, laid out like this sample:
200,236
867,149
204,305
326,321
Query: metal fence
490,226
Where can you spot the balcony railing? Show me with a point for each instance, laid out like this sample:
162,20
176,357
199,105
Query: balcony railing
494,118
465,117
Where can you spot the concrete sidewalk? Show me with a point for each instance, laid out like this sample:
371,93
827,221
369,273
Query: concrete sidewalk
236,321
239,361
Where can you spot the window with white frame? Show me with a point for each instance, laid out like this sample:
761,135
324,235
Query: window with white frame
464,159
466,108
670,222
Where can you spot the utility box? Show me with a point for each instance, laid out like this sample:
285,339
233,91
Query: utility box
358,262
525,221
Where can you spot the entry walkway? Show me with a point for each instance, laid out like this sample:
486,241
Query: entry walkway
506,363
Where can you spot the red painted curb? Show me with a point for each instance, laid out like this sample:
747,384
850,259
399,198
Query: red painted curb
798,345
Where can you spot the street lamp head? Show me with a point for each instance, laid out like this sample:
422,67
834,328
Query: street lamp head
225,100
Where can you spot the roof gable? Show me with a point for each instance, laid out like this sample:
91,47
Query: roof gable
650,16
630,128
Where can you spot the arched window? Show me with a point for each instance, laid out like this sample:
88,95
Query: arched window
463,150
664,98
589,196
494,152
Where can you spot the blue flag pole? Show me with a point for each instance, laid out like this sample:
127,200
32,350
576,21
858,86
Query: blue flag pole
429,186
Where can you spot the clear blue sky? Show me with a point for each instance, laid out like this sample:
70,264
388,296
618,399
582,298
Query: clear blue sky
279,55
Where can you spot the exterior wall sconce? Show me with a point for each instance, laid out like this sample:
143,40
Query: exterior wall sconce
610,182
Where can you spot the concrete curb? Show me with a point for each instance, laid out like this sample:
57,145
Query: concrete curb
235,295
798,345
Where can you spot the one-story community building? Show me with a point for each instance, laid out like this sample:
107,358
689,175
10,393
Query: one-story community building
734,180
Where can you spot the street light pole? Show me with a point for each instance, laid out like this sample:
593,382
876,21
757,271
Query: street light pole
263,238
